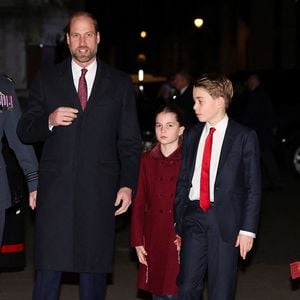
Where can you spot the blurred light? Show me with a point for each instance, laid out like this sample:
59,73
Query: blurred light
141,88
198,22
141,58
141,75
41,45
143,34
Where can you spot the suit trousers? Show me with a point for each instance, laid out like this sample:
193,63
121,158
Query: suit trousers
47,285
203,255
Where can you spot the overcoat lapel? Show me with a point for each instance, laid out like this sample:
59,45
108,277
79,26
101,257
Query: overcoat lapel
66,83
100,85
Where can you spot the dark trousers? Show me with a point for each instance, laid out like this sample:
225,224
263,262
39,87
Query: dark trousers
47,284
203,252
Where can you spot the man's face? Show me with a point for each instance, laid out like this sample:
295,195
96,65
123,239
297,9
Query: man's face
179,82
83,40
252,82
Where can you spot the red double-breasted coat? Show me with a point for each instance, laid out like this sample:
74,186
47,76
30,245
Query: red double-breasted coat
152,221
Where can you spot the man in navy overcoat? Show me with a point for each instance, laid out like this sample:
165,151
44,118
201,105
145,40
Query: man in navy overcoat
89,163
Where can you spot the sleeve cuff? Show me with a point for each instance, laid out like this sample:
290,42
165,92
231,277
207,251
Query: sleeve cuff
248,233
32,180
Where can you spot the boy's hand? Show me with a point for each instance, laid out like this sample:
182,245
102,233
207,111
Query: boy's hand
177,242
245,243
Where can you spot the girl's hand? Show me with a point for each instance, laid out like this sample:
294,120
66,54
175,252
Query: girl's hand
141,253
177,242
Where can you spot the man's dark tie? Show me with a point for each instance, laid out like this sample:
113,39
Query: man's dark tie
82,89
204,179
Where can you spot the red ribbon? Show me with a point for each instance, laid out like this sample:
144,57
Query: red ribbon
12,248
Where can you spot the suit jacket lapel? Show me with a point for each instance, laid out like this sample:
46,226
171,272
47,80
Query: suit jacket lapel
227,144
195,138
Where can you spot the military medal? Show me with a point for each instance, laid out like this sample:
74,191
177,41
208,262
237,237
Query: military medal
6,102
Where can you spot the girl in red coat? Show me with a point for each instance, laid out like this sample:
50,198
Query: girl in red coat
152,221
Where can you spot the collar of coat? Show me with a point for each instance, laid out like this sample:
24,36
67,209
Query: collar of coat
156,153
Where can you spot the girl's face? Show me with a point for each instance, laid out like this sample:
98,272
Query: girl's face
167,128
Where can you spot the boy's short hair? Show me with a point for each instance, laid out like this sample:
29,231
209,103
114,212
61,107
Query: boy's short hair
217,85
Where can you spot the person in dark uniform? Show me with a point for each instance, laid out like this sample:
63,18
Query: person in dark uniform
184,97
9,116
259,114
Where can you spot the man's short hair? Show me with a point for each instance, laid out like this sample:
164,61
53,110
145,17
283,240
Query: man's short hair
77,14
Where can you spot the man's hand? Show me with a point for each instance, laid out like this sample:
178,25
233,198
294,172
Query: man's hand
32,200
245,242
141,254
123,199
62,116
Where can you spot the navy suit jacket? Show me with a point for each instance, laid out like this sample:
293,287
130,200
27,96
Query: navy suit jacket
237,189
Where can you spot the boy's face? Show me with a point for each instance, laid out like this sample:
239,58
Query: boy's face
207,108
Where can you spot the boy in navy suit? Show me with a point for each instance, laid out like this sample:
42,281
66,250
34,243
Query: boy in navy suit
218,194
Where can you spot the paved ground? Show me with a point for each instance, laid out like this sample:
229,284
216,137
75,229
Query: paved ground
265,276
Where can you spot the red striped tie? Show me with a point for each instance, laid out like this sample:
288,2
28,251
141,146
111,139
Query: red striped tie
204,179
82,89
